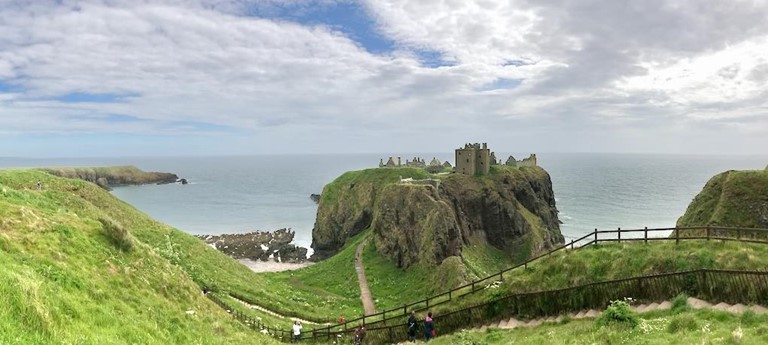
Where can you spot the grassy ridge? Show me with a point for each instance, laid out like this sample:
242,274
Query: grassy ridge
113,176
64,279
732,198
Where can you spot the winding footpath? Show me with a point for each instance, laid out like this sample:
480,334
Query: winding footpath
365,292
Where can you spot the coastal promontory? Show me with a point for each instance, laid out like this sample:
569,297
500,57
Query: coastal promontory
732,198
107,177
417,217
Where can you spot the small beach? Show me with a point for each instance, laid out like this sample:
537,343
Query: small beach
272,266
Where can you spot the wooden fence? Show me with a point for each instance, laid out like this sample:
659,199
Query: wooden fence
730,286
677,234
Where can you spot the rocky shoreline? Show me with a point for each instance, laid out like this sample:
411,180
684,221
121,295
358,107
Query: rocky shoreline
262,246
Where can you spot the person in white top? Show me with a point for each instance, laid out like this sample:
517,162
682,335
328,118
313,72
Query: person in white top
296,331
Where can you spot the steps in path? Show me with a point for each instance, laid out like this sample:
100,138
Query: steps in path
694,303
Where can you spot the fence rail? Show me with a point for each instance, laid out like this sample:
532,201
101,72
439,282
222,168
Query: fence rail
677,234
730,286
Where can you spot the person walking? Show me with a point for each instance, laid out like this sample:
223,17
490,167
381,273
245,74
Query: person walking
412,327
429,327
359,335
296,331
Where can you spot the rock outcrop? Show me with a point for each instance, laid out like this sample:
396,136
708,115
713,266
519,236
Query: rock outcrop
259,245
315,198
732,198
512,209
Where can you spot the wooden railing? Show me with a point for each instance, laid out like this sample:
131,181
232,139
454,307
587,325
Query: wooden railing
730,286
677,234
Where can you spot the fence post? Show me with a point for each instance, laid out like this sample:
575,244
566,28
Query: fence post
572,244
449,295
646,234
619,232
677,235
427,300
595,235
738,233
708,227
473,285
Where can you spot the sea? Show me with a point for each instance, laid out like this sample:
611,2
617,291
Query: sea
236,194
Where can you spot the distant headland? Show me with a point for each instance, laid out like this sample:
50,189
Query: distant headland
108,177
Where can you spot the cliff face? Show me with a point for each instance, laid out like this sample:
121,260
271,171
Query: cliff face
732,198
512,209
346,206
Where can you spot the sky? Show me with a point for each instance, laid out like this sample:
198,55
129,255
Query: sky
234,77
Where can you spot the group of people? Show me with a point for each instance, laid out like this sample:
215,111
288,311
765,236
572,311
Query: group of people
429,327
359,333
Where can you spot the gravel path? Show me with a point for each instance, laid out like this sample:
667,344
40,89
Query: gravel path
365,292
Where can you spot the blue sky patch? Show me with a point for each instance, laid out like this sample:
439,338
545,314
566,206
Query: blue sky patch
503,84
432,59
517,63
197,126
348,17
86,97
7,87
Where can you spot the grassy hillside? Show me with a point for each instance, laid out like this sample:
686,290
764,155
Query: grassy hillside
665,327
81,267
732,198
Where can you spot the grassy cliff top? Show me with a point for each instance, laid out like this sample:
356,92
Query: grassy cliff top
732,198
80,266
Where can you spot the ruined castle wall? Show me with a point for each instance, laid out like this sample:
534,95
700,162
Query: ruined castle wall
466,161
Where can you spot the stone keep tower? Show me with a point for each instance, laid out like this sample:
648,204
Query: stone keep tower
473,159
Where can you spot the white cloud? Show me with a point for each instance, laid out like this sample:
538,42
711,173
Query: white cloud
660,67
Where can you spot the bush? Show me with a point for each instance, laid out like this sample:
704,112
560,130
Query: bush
680,303
618,313
682,323
434,169
116,233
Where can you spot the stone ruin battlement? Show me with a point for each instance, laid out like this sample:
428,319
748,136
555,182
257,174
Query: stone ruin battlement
472,159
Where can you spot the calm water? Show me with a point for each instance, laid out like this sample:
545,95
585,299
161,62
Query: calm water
241,194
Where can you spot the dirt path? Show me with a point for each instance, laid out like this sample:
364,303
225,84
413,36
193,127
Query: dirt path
265,310
365,292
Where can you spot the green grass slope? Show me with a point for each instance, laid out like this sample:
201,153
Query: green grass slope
81,267
204,265
732,198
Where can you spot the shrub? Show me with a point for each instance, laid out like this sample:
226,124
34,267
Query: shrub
434,169
618,313
116,233
682,323
680,303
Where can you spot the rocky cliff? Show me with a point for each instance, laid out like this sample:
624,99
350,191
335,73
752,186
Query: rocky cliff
512,209
258,245
733,198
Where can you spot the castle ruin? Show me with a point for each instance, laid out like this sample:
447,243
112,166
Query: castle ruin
526,162
473,159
